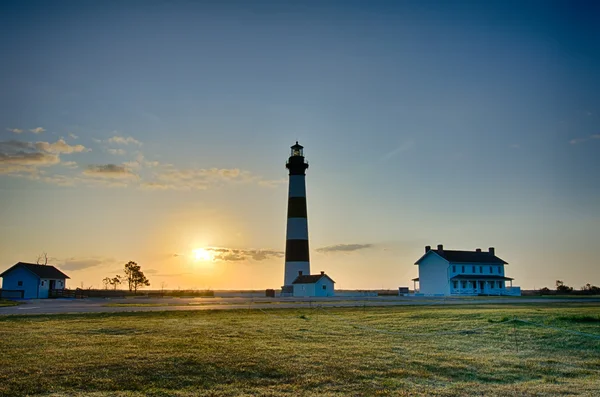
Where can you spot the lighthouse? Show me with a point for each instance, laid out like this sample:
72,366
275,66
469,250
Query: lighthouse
297,262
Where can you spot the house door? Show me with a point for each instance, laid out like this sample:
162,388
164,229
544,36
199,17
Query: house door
482,285
52,284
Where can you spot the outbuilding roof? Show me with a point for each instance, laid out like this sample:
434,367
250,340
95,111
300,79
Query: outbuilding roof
42,271
310,279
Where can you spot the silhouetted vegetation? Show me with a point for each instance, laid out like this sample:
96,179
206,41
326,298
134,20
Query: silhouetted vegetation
563,289
135,277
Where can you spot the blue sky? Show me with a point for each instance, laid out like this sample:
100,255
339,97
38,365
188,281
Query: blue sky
166,126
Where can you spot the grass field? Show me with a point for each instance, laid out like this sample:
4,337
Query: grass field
4,302
434,350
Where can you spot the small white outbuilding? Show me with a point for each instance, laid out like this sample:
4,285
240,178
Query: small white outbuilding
313,285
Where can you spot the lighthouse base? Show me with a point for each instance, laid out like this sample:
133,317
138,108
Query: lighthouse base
287,290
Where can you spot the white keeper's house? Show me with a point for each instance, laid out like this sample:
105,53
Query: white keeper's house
462,273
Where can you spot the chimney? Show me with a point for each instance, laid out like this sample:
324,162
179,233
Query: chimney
427,248
478,250
299,272
440,247
322,272
492,251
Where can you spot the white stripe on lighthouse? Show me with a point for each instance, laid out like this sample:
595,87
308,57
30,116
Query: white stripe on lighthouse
292,270
297,186
297,229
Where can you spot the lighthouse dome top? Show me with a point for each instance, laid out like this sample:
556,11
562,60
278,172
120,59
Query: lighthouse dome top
297,150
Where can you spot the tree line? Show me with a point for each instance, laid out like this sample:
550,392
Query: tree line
562,288
134,277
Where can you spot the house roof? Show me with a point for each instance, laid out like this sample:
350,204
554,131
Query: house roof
310,279
480,277
465,257
42,271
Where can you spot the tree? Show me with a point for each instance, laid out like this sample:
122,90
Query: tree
106,281
135,276
561,287
115,281
43,257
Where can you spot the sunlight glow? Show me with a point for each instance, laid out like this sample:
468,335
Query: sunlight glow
202,254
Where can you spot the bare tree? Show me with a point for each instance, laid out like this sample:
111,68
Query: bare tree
106,281
116,281
163,285
43,257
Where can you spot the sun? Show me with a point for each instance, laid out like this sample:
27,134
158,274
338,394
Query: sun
202,254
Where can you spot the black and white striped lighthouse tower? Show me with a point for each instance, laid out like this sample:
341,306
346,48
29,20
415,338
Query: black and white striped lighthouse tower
297,260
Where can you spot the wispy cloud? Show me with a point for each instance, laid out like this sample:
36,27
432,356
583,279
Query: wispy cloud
37,130
19,156
110,171
15,130
73,136
404,147
343,248
80,263
170,177
121,140
576,141
117,152
235,255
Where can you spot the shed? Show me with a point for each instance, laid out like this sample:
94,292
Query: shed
34,280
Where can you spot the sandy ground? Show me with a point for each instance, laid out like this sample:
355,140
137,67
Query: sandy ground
100,305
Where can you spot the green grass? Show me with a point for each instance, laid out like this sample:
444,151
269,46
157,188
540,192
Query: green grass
434,350
4,302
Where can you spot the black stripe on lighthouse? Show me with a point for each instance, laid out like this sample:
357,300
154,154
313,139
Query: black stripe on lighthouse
297,207
296,251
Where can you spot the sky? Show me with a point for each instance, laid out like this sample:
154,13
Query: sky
158,131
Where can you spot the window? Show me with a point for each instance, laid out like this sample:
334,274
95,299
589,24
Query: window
463,269
499,269
453,269
491,269
324,287
480,269
473,269
499,284
42,283
455,284
20,283
60,283
464,284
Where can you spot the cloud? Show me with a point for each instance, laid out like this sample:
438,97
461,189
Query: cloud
18,156
69,164
343,248
117,152
37,130
235,255
170,177
110,171
581,140
15,130
121,140
60,146
82,263
404,147
73,136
